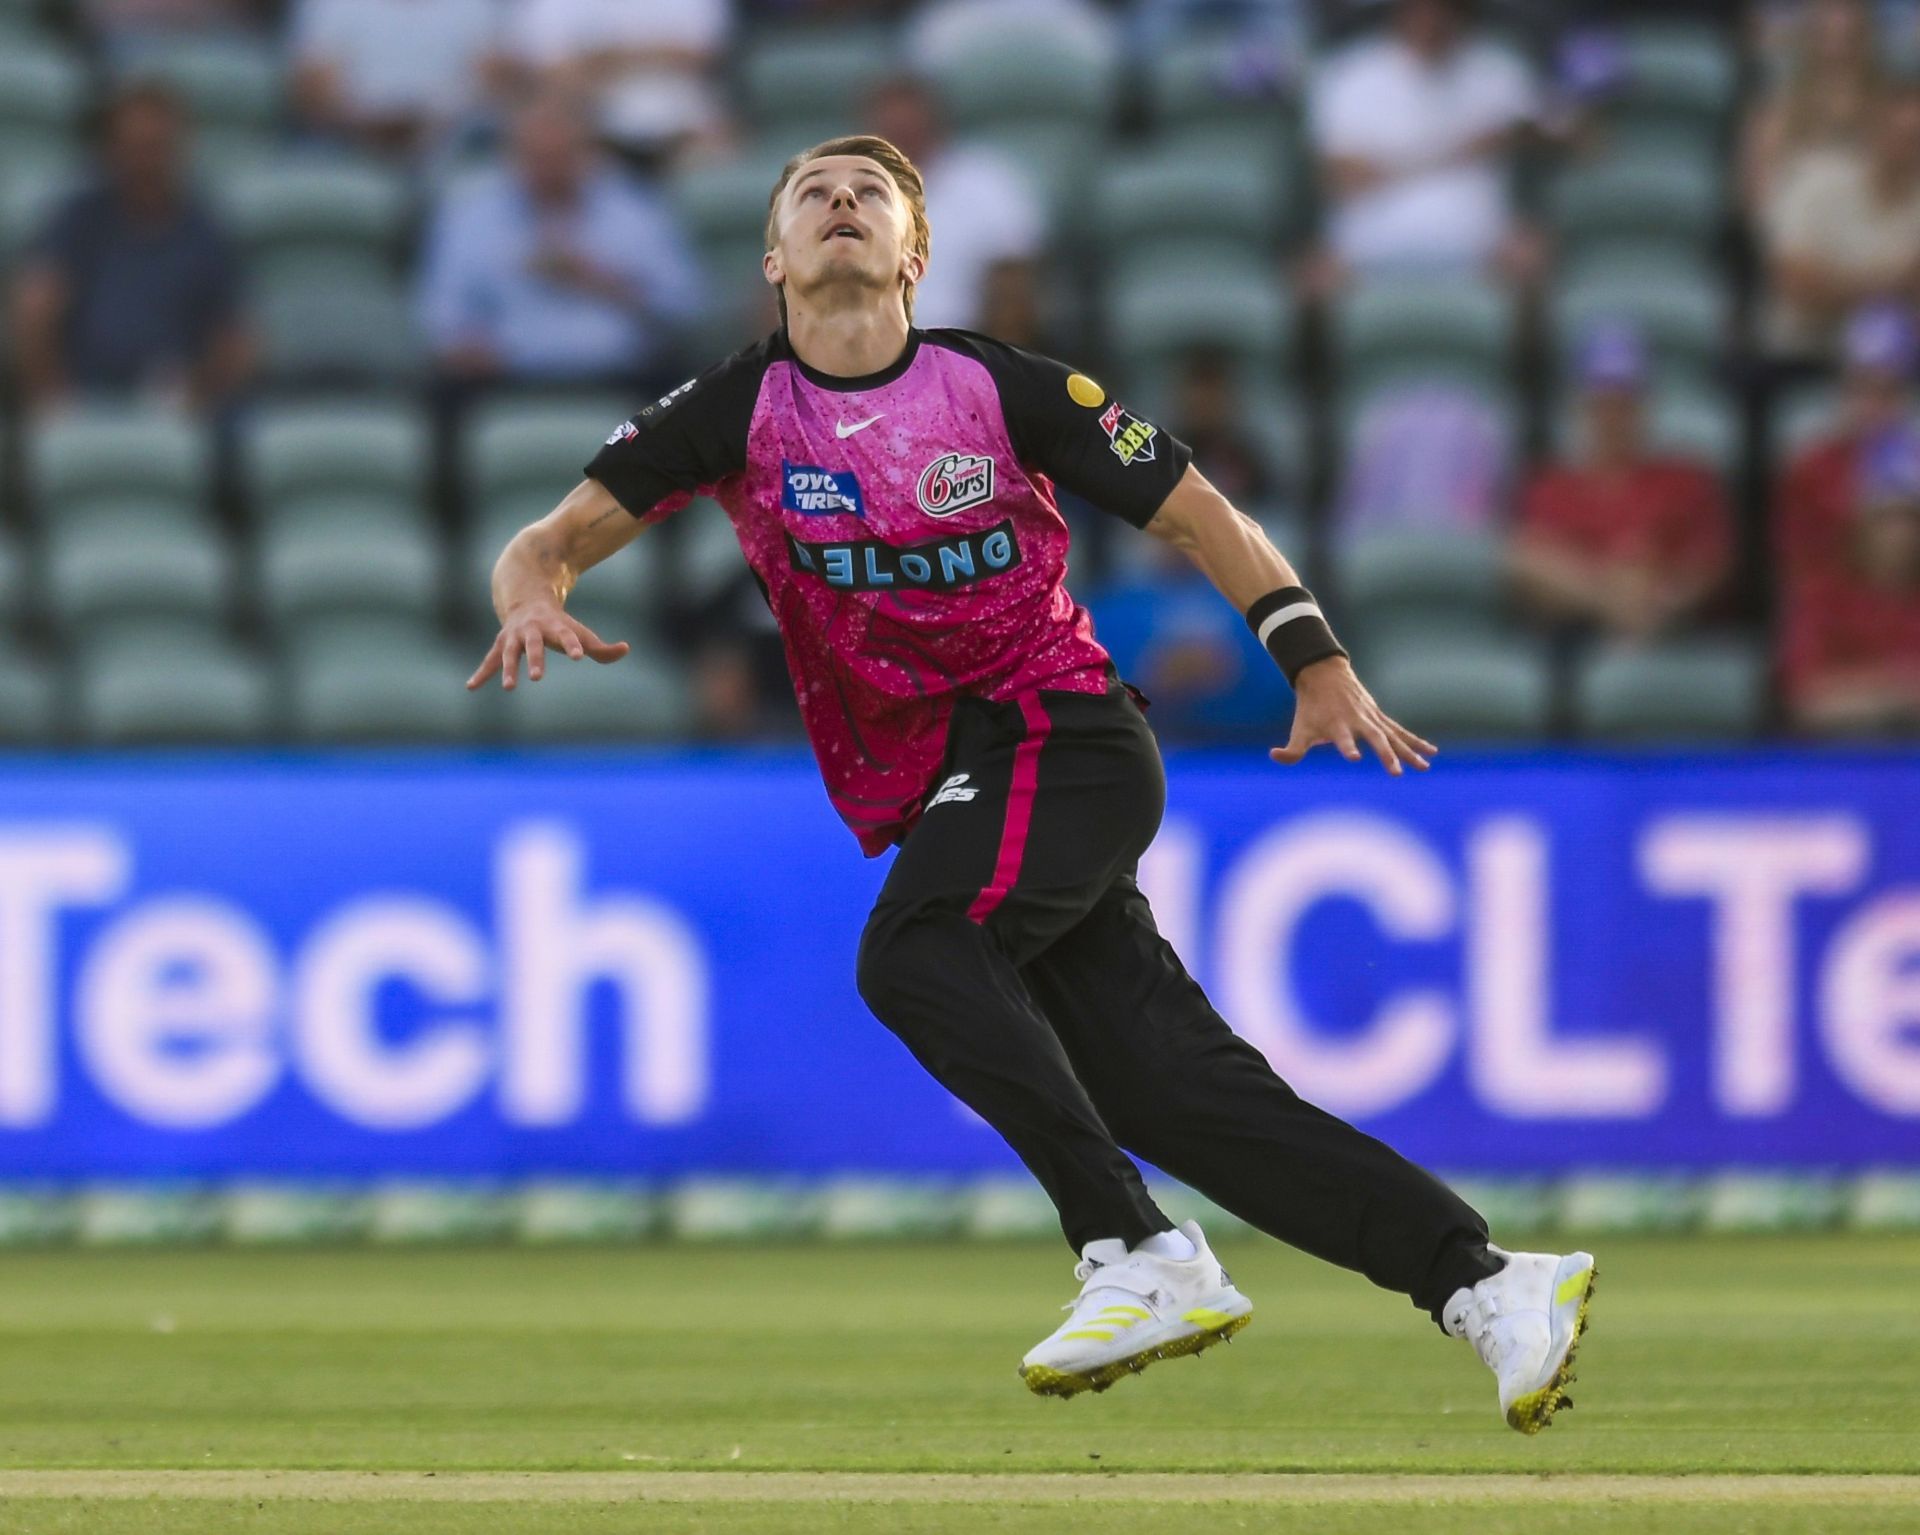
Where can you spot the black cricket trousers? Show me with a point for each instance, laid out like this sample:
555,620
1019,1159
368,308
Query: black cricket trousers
1012,952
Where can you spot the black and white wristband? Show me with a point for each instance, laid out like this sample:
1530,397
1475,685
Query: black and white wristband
1289,623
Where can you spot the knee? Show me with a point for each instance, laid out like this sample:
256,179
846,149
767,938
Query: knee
882,970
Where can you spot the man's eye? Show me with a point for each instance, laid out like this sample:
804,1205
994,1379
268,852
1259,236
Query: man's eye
810,192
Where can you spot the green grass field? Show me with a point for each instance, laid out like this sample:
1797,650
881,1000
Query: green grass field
1762,1384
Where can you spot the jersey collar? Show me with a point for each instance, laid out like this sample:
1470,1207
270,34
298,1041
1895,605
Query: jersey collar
841,384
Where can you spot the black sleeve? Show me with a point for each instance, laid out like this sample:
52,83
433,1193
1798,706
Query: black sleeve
1067,426
684,442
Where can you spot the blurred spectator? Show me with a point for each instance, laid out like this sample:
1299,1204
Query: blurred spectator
1850,637
556,266
1831,82
1273,39
1208,415
939,31
133,286
391,74
1425,455
1190,653
991,229
1816,500
1620,538
1843,229
648,66
1415,132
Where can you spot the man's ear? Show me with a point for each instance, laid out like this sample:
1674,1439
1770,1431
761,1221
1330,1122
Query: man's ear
776,274
914,267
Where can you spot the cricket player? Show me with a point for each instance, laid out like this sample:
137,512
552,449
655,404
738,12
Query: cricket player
892,490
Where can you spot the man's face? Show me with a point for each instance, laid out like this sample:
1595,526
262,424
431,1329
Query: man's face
1897,138
1876,398
904,114
143,146
550,148
842,224
1613,420
1429,27
1889,544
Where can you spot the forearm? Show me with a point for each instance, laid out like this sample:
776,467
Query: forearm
543,561
37,306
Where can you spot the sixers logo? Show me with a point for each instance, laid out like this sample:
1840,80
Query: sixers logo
953,482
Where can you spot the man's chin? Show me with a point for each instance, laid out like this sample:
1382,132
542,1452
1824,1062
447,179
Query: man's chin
841,282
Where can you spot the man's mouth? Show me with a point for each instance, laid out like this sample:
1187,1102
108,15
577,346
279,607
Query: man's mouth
844,232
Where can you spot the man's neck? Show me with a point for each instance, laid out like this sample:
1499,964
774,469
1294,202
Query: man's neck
847,342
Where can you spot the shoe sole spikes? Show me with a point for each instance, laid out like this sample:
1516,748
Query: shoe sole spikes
1044,1380
1534,1411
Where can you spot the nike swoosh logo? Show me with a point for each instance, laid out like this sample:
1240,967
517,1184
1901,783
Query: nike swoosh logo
843,431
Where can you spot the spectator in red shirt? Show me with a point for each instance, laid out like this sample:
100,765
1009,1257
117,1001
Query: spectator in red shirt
1850,635
1815,505
1618,538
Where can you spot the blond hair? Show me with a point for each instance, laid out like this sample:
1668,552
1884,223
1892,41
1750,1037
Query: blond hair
902,171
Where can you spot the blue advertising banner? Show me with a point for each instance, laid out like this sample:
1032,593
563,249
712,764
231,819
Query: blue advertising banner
644,964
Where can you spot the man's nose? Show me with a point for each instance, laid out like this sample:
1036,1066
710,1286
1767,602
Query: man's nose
843,196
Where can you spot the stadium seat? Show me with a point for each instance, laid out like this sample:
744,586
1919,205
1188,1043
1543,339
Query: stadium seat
1390,328
1273,148
644,695
1398,584
386,681
328,449
1678,70
356,331
1028,74
1685,317
348,559
521,456
1673,203
1166,196
1210,78
98,457
28,703
13,583
1701,424
29,195
1173,295
1802,417
633,576
292,211
1465,689
811,83
123,565
1685,690
43,92
170,683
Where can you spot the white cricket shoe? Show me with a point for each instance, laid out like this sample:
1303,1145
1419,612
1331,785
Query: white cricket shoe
1525,1323
1134,1308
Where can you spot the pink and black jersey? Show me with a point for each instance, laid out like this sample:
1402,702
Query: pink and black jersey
904,531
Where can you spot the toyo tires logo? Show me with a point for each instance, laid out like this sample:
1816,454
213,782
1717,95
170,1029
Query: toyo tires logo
954,481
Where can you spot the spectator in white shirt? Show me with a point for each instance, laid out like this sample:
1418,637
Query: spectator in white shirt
392,74
991,228
1414,131
647,65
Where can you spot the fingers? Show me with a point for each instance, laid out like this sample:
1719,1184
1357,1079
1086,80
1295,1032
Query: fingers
488,666
562,634
603,651
536,643
509,659
1384,747
1343,739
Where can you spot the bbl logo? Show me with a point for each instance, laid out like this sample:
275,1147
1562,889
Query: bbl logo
815,492
954,481
1130,438
626,431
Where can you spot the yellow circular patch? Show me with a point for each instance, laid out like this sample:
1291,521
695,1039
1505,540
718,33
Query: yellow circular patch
1084,390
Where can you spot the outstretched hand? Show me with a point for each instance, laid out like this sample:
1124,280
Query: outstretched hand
1330,706
529,631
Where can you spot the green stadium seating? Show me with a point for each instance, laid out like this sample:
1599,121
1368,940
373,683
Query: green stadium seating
1685,317
634,576
727,201
1701,424
43,92
98,457
1683,691
1028,75
1395,586
520,456
120,566
644,695
1165,196
1465,689
29,195
1679,70
13,583
1191,82
359,330
1801,418
1172,295
1271,147
292,211
386,681
811,83
1673,203
28,695
329,449
1388,328
164,683
350,559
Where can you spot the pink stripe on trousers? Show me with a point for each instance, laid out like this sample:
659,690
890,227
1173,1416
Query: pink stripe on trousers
1013,835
